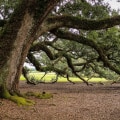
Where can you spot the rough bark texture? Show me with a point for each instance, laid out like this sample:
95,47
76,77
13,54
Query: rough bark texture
80,23
17,37
10,39
20,43
40,13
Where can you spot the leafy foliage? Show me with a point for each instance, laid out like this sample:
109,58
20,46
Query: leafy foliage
78,59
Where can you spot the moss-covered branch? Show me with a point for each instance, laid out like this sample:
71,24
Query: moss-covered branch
88,42
80,23
43,47
58,71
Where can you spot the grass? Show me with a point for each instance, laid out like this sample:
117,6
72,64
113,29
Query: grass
51,76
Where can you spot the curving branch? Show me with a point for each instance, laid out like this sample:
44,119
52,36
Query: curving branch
67,76
38,67
71,65
63,72
25,74
88,42
56,79
80,23
40,46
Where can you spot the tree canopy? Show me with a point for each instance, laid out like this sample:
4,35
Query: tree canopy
80,42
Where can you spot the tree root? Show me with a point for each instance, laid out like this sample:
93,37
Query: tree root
21,101
15,98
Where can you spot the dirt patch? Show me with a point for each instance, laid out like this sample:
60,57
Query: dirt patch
69,102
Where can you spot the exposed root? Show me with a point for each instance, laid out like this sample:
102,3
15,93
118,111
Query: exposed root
19,100
22,101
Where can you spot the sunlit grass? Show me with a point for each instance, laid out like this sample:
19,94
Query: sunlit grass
51,77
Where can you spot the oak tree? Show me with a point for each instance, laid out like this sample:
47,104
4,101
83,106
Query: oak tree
30,20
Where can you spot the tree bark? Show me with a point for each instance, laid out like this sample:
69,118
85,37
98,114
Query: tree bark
16,39
12,40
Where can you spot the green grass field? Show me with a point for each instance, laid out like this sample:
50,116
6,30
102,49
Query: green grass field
52,76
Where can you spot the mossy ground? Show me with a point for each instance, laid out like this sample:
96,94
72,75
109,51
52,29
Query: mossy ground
42,95
24,101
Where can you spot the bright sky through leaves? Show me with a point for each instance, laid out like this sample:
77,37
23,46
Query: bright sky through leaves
115,4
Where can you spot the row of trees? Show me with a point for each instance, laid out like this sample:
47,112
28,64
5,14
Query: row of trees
67,37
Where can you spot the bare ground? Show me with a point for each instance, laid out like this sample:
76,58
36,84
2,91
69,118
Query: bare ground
69,102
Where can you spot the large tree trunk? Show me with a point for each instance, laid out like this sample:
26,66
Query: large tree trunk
16,39
11,41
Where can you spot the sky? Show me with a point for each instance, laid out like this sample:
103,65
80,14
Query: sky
114,4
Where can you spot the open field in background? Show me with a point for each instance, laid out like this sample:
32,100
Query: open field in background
51,77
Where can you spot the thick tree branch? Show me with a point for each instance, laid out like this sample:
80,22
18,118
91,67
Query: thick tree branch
80,23
88,42
25,74
38,67
70,65
43,47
